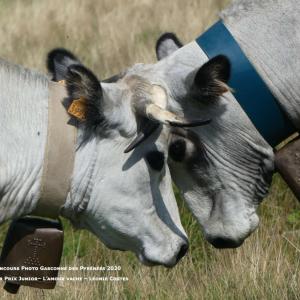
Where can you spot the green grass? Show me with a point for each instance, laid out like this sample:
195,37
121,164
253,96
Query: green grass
265,267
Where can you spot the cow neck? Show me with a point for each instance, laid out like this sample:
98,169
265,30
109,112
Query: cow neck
250,90
59,156
81,190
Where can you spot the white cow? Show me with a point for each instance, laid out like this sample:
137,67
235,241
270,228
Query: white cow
124,199
224,169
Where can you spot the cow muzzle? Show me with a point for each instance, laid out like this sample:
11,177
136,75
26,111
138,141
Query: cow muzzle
166,257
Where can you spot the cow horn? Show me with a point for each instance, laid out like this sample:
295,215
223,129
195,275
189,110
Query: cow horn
158,114
147,128
154,115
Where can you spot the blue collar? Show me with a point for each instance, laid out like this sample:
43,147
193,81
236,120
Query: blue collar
250,90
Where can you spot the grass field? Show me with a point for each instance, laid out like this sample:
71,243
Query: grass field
109,35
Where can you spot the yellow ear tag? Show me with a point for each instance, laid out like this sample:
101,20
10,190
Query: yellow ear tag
78,109
62,82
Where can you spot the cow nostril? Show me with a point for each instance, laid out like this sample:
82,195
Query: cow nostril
224,243
182,252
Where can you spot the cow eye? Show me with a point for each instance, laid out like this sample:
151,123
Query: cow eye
156,160
177,150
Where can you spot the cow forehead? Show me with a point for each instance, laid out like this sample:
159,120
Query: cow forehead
142,88
137,85
119,98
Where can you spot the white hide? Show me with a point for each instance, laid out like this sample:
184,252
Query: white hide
224,193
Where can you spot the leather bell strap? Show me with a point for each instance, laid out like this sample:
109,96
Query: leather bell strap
59,155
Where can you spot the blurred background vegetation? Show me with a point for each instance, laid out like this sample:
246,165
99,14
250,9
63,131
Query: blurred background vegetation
108,36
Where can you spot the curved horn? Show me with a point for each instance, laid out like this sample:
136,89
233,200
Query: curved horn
147,128
158,114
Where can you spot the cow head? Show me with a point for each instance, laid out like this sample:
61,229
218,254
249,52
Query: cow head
223,170
124,197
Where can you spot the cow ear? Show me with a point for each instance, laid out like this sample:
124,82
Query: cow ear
211,79
58,61
85,94
167,44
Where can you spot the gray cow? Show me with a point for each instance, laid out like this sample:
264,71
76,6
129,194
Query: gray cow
224,181
224,169
125,199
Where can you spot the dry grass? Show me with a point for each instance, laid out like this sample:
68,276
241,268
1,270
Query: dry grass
108,36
